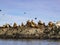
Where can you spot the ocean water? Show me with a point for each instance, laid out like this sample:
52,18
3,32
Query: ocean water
29,42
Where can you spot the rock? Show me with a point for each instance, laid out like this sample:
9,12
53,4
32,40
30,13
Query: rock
2,32
58,24
9,32
28,24
30,30
22,24
7,26
14,25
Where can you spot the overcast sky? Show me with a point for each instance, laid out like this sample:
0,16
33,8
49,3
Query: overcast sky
13,10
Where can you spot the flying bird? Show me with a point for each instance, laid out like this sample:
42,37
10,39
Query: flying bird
35,18
0,10
24,12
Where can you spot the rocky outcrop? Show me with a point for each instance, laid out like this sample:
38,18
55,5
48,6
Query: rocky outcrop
30,30
6,26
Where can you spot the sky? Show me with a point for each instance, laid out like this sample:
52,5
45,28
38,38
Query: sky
44,10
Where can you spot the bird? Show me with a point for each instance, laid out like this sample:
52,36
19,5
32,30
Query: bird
24,12
35,18
0,10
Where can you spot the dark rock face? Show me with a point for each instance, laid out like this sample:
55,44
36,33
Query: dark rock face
30,30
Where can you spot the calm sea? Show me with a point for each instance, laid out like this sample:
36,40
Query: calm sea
29,42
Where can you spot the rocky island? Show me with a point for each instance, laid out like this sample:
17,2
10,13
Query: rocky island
30,30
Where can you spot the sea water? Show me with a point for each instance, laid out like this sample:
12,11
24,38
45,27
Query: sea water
29,42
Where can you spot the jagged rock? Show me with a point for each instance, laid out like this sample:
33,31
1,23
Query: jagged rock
31,30
7,26
14,25
22,24
28,23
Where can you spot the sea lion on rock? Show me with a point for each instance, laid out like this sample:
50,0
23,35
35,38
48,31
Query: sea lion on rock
33,24
50,24
40,23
